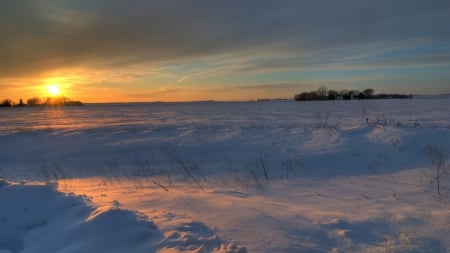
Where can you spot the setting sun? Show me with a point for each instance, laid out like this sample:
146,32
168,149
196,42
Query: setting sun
53,89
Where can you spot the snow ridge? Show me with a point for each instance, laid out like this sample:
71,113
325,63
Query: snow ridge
38,218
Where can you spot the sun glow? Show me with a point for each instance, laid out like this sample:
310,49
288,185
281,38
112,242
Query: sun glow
53,89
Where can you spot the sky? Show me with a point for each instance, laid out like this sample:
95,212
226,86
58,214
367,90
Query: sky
185,50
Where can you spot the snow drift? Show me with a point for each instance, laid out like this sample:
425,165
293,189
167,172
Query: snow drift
38,218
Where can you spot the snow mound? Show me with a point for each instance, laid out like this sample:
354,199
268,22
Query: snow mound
38,218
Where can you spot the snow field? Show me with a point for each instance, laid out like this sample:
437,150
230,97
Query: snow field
273,176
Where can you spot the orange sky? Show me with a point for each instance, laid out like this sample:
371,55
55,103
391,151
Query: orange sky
120,51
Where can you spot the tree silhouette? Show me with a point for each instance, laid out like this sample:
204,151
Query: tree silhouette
368,93
6,103
34,101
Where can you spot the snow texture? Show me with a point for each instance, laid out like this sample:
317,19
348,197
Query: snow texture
38,218
277,176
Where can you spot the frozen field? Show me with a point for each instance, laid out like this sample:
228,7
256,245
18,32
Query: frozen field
281,176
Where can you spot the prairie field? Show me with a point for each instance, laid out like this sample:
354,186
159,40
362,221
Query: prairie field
273,176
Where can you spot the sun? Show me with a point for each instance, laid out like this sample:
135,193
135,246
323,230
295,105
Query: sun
53,89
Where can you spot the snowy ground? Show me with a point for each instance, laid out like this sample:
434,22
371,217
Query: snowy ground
338,176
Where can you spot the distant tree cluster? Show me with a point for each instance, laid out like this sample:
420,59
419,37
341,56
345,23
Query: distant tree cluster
36,101
323,93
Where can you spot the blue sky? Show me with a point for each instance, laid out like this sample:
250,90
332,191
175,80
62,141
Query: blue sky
100,51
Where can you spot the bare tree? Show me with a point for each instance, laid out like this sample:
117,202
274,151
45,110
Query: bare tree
436,157
6,103
332,94
368,93
34,101
322,92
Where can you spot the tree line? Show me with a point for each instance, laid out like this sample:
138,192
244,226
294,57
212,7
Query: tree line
36,101
323,93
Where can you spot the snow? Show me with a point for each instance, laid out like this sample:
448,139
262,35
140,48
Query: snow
278,176
38,218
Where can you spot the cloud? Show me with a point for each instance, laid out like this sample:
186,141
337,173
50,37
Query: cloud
203,73
40,36
275,86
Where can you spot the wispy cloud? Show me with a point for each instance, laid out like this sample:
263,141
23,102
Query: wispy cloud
109,42
117,34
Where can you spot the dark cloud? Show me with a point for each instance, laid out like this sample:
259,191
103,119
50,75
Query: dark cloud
37,36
